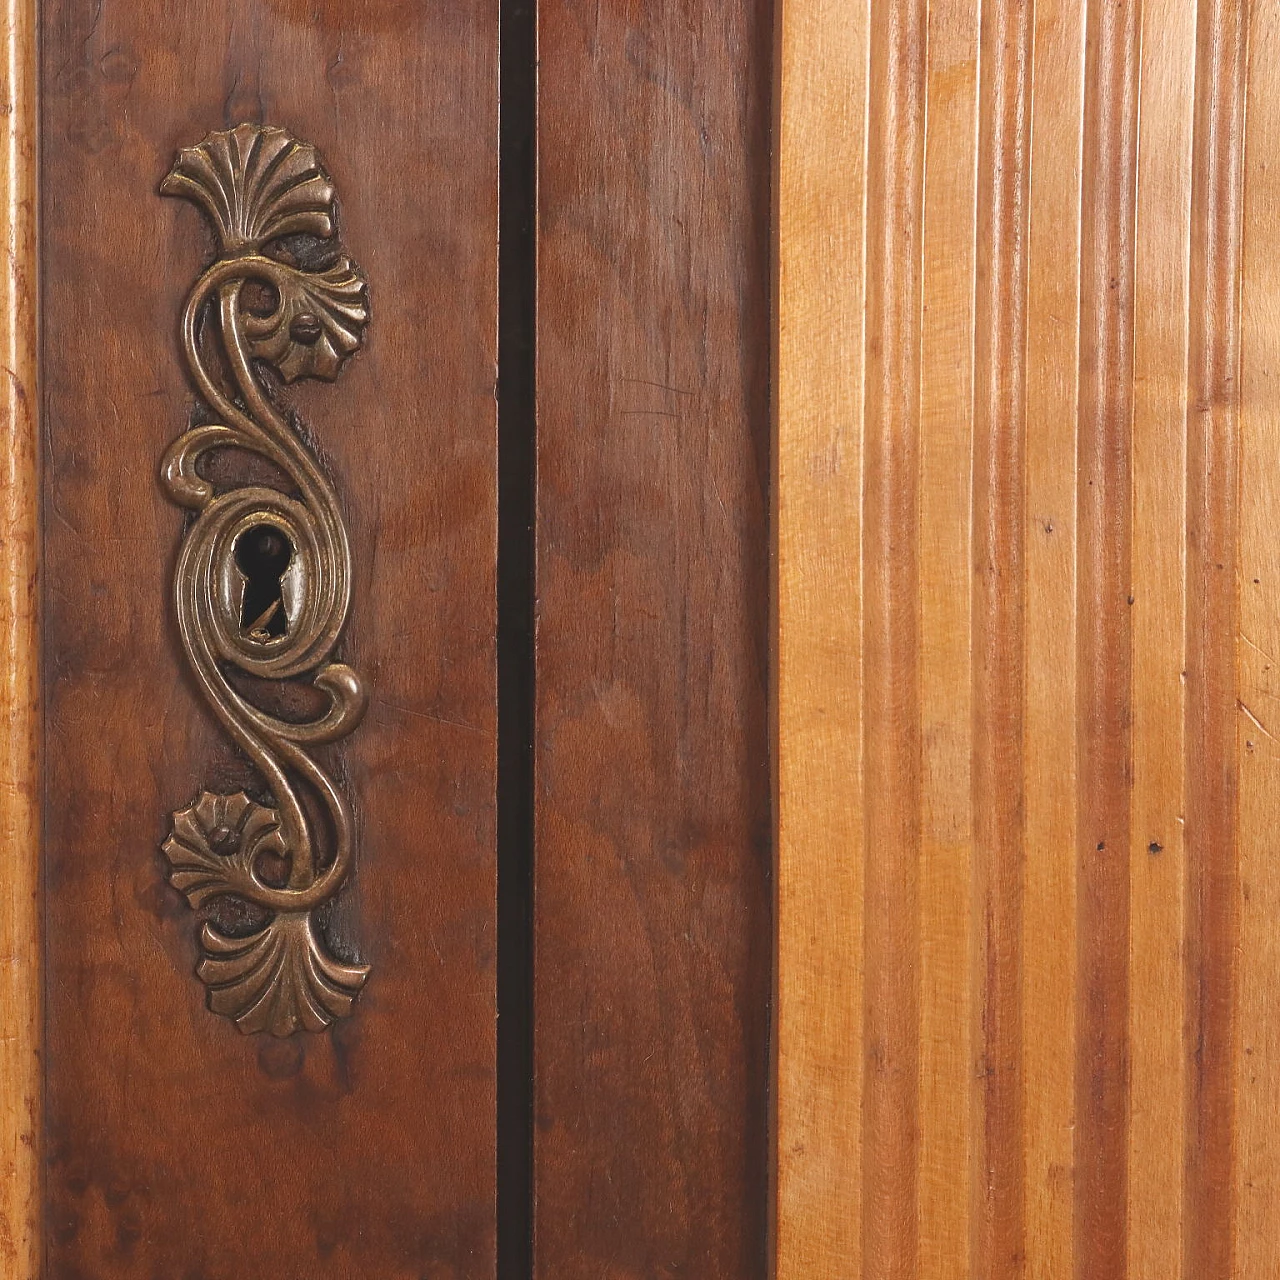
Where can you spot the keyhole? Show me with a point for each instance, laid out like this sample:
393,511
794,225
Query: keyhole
263,554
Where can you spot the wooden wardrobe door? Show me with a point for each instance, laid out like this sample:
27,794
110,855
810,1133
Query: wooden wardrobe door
1028,606
176,1145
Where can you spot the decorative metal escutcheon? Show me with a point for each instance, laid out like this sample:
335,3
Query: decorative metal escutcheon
263,578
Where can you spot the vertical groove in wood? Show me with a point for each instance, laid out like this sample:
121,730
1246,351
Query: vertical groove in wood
818,670
1256,1164
20,778
1157,868
1256,1047
1104,603
1122,631
946,440
998,585
891,640
1049,753
1212,519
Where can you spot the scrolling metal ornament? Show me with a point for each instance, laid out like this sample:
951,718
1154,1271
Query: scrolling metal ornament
272,205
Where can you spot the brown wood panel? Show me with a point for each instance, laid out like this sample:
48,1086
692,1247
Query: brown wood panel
1106,697
652,923
177,1146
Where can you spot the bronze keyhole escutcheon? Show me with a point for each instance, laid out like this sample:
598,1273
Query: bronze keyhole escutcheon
262,583
263,555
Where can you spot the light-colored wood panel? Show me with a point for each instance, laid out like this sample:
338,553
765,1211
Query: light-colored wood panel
891,642
817,488
20,789
946,440
1049,754
1257,1049
1104,578
1157,865
1116,998
1212,525
997,674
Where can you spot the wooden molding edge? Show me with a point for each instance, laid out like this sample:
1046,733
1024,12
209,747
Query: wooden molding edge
21,1011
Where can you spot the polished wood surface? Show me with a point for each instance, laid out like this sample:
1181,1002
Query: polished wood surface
21,974
652,830
177,1146
1025,478
818,531
1253,1082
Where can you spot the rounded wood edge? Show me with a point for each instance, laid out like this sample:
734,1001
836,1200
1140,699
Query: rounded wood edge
21,1013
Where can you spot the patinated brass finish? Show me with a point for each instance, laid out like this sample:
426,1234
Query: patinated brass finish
273,208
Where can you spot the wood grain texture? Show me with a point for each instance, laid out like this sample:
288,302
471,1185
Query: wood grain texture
1105,592
1215,707
946,697
818,619
176,1146
1049,976
1255,1058
1082,391
652,922
21,977
1157,850
997,674
891,808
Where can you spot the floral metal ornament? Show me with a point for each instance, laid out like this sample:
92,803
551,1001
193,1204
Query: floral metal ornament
263,579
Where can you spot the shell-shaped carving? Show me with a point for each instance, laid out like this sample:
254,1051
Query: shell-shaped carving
215,843
318,322
280,979
256,183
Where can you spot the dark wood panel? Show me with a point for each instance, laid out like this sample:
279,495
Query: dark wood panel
177,1146
652,922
